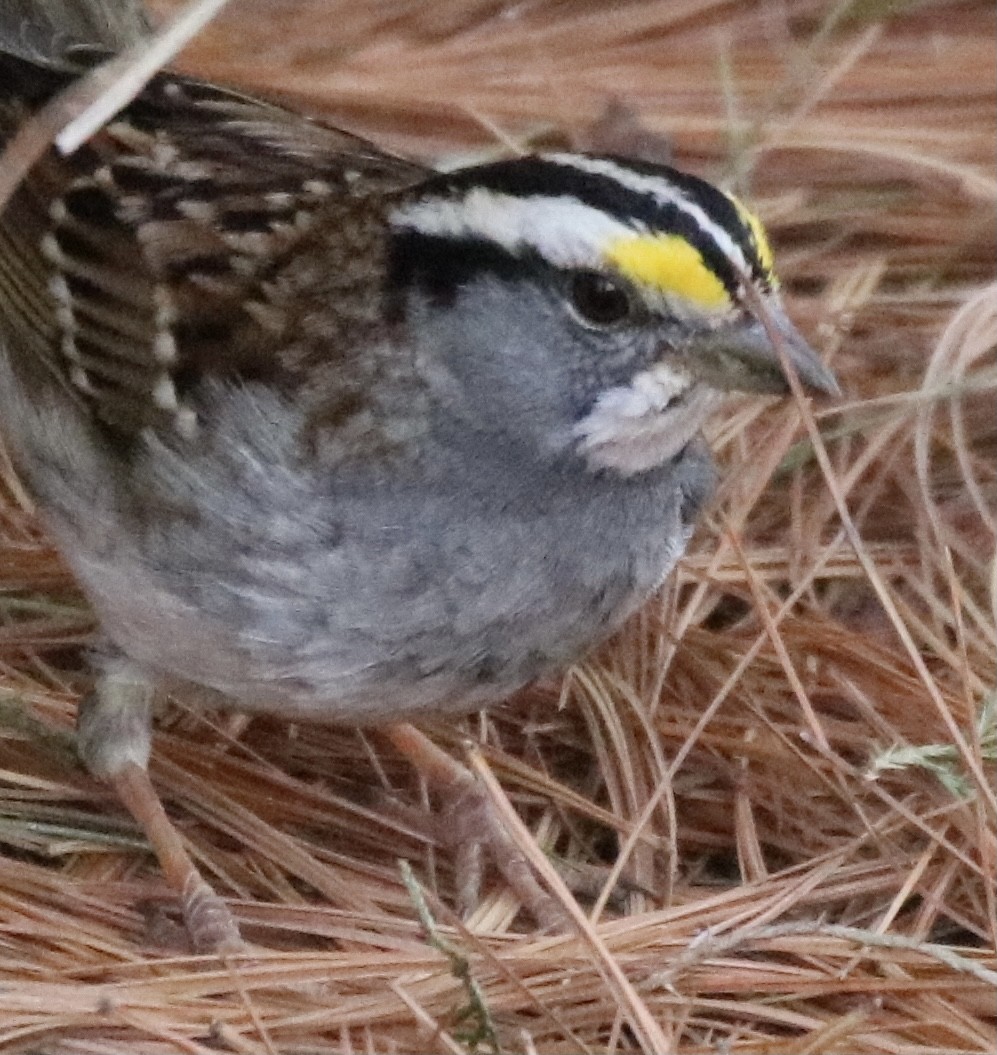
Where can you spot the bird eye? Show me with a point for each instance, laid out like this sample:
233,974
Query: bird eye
598,299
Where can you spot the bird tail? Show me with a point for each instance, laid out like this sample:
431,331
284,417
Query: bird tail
47,29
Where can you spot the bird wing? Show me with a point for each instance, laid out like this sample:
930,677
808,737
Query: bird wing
185,241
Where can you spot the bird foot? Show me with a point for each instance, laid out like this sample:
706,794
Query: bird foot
470,827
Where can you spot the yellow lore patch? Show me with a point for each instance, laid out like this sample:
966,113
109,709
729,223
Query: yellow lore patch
671,265
761,239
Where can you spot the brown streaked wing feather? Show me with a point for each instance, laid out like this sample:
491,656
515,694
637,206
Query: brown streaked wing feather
164,251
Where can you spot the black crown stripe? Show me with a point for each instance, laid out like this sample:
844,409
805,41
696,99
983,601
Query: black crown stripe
548,178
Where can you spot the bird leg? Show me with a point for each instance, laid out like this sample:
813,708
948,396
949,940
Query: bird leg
472,825
114,739
114,736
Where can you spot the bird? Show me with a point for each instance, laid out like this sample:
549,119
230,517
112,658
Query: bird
330,435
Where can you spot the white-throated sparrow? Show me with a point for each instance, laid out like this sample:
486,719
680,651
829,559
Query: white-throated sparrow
333,436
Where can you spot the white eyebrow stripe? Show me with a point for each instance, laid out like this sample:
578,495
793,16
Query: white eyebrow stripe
561,229
662,191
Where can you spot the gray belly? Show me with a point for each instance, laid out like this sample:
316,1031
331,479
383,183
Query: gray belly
346,599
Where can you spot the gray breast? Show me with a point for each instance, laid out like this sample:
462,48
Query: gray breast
351,597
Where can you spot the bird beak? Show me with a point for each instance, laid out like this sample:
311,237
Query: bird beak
740,357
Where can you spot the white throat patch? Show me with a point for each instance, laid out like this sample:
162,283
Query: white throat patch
636,427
